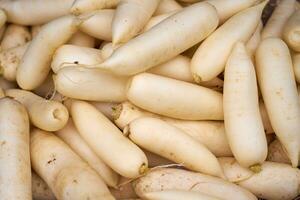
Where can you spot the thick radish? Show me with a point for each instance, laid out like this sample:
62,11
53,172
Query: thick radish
122,150
130,18
167,39
70,136
254,41
278,19
167,6
35,64
90,84
40,189
82,39
291,31
159,137
277,83
45,114
210,58
82,6
35,12
68,176
178,179
178,195
15,35
296,64
277,154
243,123
156,94
15,170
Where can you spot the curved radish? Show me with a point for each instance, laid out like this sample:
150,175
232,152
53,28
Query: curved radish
82,6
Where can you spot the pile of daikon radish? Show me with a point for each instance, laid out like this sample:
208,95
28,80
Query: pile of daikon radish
149,99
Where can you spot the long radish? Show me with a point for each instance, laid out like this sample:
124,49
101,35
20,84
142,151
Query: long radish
178,195
15,35
82,6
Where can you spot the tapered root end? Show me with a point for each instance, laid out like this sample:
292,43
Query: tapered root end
116,111
197,78
256,168
143,169
126,131
59,114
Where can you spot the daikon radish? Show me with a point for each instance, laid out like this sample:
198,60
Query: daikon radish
15,35
35,64
40,189
254,41
167,39
35,12
130,18
125,190
278,19
166,6
10,60
68,176
296,64
105,108
159,137
70,136
276,153
90,84
178,195
82,6
98,25
178,179
291,31
45,114
242,119
70,55
122,150
210,58
82,39
277,84
15,170
157,94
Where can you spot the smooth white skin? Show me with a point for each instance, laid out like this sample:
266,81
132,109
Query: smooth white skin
276,153
242,118
296,64
83,6
70,136
254,41
15,170
157,19
278,87
228,8
35,64
166,6
3,18
82,39
35,12
45,114
178,179
40,189
105,108
210,58
98,25
156,94
178,195
90,84
157,136
10,60
164,41
71,55
68,176
92,125
130,18
278,19
15,35
291,31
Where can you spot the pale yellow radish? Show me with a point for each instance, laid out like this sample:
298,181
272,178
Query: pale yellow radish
70,136
68,176
15,170
105,108
157,19
82,6
178,195
167,6
210,58
178,179
15,35
167,39
157,94
82,39
90,84
128,160
35,64
278,19
159,137
98,25
71,55
10,60
45,114
276,153
278,87
40,189
35,12
130,18
242,119
291,31
296,64
254,41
